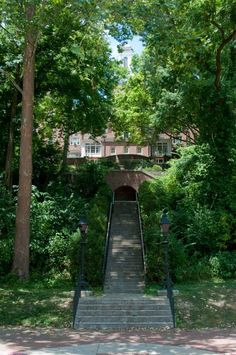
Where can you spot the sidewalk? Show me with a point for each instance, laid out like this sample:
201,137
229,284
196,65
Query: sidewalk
68,342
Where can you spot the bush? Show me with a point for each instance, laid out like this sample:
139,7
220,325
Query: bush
89,177
6,255
54,218
223,265
7,224
97,219
202,220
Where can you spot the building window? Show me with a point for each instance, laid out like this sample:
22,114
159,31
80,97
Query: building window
73,155
74,140
92,149
177,140
126,150
160,149
139,150
113,150
126,136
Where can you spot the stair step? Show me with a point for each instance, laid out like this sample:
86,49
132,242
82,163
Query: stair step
119,325
124,319
121,312
105,309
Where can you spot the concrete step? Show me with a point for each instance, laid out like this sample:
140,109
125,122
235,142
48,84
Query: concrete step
91,307
126,299
124,285
121,312
128,289
123,319
117,325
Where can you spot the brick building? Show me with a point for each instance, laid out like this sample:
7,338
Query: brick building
107,145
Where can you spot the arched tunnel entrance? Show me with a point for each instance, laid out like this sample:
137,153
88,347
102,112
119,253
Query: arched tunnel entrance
125,193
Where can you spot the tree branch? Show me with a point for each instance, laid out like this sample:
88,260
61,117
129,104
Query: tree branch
12,80
222,31
225,41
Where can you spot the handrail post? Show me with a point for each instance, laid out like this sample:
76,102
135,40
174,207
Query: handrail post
81,283
107,239
168,281
141,236
76,300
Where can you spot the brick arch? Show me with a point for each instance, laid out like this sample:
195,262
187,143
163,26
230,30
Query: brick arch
118,178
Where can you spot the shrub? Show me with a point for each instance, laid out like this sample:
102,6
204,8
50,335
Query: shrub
54,218
7,224
223,265
202,219
6,247
97,219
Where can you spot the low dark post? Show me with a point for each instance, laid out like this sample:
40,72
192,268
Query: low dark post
83,227
165,224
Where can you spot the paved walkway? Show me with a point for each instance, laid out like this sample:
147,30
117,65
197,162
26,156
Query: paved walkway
69,342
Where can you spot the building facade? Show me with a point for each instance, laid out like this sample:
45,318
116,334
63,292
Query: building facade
107,145
84,146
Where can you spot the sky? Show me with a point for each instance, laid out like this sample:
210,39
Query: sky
135,43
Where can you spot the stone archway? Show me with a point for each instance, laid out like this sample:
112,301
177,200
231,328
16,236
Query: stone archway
125,193
126,178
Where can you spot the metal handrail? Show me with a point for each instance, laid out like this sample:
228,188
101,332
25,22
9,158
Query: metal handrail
107,240
141,237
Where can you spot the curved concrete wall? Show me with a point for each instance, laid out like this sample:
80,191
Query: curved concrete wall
118,178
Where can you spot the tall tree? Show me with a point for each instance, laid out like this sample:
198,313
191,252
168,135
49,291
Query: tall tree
80,81
22,233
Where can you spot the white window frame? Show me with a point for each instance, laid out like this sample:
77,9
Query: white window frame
74,140
92,149
112,150
161,148
126,150
139,150
177,140
73,155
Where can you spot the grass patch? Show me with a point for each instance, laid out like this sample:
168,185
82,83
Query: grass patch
206,304
36,303
209,304
48,303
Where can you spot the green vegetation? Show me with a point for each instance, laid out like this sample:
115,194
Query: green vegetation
44,303
58,76
55,214
202,234
208,304
48,303
203,304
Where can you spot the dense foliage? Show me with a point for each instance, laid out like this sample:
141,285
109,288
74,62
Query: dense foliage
202,235
55,214
183,83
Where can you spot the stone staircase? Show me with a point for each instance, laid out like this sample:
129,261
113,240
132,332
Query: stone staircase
123,304
123,311
124,271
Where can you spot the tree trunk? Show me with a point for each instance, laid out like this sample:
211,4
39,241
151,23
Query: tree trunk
22,234
10,144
